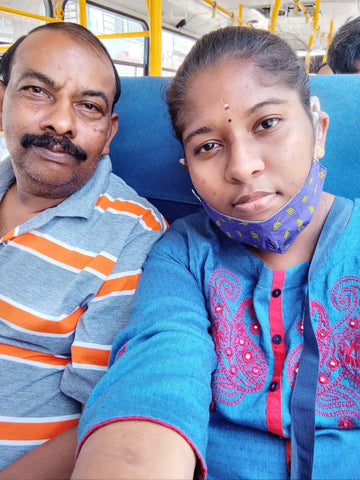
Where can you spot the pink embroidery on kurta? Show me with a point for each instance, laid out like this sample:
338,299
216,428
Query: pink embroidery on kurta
338,393
241,365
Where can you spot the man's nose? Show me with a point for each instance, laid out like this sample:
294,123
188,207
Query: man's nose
60,118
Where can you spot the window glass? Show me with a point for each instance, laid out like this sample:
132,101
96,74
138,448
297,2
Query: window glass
14,26
128,54
174,49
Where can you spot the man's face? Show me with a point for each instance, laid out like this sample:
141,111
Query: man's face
56,113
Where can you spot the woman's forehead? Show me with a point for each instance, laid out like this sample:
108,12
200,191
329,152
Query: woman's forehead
239,80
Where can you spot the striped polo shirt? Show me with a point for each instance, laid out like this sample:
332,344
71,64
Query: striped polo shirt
68,276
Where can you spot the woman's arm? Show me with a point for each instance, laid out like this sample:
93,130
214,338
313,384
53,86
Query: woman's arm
148,416
135,450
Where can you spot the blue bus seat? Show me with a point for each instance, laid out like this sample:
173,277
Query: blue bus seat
146,154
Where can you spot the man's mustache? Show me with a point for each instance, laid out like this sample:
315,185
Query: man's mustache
50,141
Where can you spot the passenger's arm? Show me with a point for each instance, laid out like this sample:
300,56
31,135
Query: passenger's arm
53,460
135,450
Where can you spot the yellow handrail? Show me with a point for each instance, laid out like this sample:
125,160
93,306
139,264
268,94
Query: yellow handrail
28,14
155,37
215,6
274,15
82,13
311,39
329,40
240,7
145,33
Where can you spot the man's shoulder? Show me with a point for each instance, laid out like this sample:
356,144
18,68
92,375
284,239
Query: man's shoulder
121,198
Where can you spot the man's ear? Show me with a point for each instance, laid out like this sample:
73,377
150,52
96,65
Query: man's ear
111,134
2,93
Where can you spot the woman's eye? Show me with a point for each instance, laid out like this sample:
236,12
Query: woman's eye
207,147
266,124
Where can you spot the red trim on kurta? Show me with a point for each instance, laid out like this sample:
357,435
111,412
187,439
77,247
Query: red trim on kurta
273,403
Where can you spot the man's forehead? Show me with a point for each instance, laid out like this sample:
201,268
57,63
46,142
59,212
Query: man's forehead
57,42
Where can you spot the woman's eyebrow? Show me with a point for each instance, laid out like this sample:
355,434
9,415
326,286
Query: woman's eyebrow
198,131
270,101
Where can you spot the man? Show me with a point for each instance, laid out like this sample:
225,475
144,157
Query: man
344,52
73,238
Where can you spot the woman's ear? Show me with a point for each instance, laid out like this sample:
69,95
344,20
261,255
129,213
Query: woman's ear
321,123
320,134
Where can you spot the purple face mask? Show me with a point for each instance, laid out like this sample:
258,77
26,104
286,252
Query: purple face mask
278,232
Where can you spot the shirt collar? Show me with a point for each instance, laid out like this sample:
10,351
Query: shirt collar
80,203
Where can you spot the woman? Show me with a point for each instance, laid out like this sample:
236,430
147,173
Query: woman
242,353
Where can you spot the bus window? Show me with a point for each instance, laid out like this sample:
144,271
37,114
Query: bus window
174,49
129,54
14,26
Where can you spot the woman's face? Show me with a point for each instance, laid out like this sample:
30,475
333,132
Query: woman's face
247,138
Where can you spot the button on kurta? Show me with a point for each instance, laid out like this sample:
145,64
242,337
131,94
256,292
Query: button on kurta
273,386
277,339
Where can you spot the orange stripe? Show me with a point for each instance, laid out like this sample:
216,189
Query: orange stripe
90,356
9,235
32,355
65,255
34,431
120,284
27,320
122,206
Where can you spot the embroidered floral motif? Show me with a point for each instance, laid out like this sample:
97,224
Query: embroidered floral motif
241,365
345,423
338,393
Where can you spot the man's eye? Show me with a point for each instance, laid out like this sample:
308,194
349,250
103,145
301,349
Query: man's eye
267,124
91,106
33,89
207,147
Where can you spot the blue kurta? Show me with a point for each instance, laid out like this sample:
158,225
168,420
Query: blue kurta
214,344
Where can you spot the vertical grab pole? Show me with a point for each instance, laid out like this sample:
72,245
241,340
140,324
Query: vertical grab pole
82,13
274,15
155,37
240,7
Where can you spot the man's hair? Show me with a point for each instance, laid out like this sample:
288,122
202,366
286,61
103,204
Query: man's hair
344,51
73,30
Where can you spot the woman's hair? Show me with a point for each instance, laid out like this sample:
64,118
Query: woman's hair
267,52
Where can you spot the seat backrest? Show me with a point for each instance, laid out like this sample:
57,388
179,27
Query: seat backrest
146,154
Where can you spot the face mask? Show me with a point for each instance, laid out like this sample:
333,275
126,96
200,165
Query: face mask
278,232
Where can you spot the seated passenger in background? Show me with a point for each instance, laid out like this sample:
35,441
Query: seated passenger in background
241,356
324,69
73,239
343,55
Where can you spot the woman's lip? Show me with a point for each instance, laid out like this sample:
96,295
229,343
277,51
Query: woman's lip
254,203
58,157
251,197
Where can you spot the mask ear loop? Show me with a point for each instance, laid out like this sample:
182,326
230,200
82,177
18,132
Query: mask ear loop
315,109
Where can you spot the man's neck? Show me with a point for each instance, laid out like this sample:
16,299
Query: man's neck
17,207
